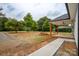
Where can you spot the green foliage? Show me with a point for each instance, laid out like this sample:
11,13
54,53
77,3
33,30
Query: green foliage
11,25
40,22
1,14
28,17
46,26
28,21
21,25
3,20
53,27
34,26
28,24
64,29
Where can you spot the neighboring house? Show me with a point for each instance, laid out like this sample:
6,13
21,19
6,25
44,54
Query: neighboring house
60,20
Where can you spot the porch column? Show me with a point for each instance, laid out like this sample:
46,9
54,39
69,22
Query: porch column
50,28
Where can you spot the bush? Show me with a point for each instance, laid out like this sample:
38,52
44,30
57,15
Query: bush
46,26
64,29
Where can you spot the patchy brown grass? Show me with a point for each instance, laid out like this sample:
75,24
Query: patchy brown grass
24,43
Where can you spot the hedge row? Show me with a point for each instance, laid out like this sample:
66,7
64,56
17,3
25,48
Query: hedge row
64,29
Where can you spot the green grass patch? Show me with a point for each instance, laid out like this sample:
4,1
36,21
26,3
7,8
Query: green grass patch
39,39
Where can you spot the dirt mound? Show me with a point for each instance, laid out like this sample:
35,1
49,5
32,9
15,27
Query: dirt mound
6,36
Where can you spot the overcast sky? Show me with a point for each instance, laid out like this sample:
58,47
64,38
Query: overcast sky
37,10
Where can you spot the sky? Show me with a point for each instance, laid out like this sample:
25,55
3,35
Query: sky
37,10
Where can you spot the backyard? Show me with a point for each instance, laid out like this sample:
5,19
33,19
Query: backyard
23,32
23,43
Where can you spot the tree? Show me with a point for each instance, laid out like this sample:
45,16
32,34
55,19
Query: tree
28,21
46,26
21,25
3,20
11,25
53,27
1,14
40,22
34,26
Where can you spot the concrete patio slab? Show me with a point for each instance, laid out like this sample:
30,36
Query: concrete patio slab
49,49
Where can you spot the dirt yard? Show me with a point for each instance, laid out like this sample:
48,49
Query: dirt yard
67,49
65,34
22,43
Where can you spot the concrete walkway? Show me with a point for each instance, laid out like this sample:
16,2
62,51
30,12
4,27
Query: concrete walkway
49,49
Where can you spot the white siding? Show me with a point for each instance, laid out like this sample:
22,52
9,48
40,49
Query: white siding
76,28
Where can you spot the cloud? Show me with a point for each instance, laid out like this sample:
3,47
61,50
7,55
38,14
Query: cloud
10,8
53,14
38,10
20,15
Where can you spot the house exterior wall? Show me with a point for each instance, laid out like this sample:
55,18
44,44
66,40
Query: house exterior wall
76,29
